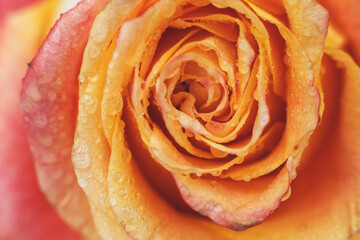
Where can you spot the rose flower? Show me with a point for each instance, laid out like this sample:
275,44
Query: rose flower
198,119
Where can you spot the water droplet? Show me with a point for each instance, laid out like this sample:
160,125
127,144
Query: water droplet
312,91
56,36
26,118
60,115
310,78
51,49
116,55
247,178
264,119
112,201
93,51
89,103
123,192
82,118
137,196
82,182
292,2
57,174
81,78
217,209
99,32
51,95
45,140
286,195
94,78
307,31
40,120
287,60
126,154
309,65
47,157
102,197
244,69
81,155
34,93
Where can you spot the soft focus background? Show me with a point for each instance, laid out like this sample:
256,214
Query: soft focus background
24,211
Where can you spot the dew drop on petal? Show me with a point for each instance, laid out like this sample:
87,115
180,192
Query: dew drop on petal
56,36
93,51
292,2
286,195
47,157
60,115
287,60
116,55
45,140
244,69
89,103
309,65
217,209
310,78
99,32
81,155
307,31
123,192
247,178
112,201
81,78
94,78
34,93
51,95
83,118
312,91
51,49
82,182
213,183
40,120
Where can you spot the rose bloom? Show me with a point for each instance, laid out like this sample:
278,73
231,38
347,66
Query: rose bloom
180,119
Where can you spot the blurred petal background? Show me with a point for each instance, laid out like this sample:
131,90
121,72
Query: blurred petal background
24,211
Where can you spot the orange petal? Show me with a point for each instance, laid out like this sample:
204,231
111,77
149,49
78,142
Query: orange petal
344,16
324,203
90,153
139,209
235,204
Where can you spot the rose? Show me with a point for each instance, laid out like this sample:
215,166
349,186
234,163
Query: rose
59,117
43,113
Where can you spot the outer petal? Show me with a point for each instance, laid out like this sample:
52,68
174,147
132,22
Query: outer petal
90,146
24,212
345,16
325,196
49,97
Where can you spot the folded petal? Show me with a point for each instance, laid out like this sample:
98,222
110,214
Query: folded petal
326,190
